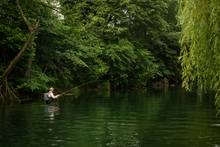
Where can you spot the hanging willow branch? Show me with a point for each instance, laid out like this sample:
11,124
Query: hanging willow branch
200,41
6,91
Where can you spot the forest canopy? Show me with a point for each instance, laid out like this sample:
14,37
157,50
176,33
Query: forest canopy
68,42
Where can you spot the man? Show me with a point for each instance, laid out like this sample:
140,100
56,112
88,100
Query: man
49,97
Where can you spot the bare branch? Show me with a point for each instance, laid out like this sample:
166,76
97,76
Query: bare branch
30,28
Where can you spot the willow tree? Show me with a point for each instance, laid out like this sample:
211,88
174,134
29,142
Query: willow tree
200,42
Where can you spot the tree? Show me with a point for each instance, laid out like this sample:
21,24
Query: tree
200,42
125,29
5,90
81,41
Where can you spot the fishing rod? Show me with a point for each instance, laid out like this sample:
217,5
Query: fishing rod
89,82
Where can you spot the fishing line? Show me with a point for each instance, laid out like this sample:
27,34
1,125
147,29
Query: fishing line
89,82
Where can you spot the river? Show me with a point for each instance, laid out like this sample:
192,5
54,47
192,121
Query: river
141,118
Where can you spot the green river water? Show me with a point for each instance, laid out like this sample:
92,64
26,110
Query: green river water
142,118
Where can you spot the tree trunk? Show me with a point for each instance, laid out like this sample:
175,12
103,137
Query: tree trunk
6,91
29,66
19,55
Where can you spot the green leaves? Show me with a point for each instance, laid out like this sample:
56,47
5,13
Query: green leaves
37,82
121,52
71,55
200,43
98,39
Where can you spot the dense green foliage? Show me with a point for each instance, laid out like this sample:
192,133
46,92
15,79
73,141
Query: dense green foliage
80,41
200,43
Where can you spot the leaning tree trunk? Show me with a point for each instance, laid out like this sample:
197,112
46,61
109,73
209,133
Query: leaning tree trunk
7,93
29,67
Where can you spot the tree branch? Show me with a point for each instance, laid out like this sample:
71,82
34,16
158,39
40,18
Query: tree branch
50,7
30,28
32,32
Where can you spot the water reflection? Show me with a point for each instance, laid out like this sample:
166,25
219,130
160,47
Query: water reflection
132,119
51,111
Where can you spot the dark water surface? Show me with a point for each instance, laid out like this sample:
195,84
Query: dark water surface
121,119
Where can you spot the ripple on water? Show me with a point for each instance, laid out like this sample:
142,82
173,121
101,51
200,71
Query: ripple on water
120,121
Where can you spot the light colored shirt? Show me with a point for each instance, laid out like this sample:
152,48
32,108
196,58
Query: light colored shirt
50,94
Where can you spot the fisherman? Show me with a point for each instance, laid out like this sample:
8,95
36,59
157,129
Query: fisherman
49,96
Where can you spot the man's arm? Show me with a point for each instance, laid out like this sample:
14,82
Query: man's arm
53,96
56,96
